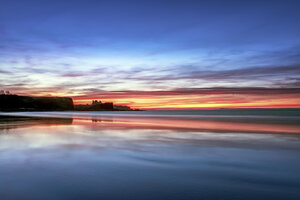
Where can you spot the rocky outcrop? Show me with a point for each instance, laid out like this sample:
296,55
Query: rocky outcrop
28,103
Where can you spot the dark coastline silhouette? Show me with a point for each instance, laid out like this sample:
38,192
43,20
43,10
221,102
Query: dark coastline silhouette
100,106
28,103
11,102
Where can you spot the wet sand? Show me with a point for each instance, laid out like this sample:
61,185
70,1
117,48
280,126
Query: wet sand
120,157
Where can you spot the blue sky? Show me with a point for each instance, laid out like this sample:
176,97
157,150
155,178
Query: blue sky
78,47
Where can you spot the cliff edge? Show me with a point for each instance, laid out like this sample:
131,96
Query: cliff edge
28,103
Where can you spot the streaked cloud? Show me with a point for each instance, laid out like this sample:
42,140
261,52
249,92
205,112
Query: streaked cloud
193,98
196,54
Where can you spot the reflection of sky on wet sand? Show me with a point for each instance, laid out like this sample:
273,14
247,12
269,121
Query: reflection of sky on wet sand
111,159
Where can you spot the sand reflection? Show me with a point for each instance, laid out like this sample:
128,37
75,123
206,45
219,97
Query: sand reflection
139,158
184,124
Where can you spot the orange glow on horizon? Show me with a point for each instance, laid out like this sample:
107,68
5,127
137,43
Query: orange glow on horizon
204,102
190,98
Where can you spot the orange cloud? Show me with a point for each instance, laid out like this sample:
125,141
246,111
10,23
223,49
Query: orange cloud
201,98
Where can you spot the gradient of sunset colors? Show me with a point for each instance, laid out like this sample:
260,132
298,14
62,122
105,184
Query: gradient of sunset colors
154,54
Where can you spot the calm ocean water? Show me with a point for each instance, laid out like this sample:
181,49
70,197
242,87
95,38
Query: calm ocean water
223,154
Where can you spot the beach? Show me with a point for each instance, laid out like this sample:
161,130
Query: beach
149,155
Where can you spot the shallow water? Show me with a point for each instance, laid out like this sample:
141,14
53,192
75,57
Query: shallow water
104,156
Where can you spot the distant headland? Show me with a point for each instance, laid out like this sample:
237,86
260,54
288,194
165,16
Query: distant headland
102,106
12,103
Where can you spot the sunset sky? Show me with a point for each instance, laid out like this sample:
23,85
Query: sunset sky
164,54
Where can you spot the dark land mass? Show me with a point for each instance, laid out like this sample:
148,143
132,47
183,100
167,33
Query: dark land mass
28,103
14,103
97,107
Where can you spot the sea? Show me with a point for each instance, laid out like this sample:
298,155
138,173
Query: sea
225,154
